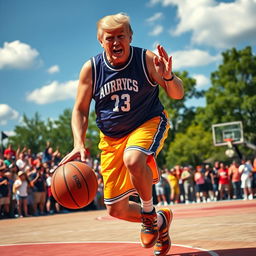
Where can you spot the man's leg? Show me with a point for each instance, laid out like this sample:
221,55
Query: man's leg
7,207
131,211
187,192
35,203
125,210
42,202
141,175
25,206
142,179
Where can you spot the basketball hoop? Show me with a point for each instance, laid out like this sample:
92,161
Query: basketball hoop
229,130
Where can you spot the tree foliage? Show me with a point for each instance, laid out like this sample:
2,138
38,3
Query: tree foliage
31,133
60,133
34,133
191,147
232,96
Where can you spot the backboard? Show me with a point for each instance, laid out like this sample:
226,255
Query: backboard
222,132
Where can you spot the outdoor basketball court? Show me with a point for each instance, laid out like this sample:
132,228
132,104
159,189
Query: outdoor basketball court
218,228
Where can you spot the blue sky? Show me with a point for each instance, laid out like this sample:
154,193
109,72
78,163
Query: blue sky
44,43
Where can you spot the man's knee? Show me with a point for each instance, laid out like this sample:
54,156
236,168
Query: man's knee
134,160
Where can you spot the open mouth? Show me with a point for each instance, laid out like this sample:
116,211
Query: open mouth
117,51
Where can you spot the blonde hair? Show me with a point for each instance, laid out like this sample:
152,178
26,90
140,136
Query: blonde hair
111,22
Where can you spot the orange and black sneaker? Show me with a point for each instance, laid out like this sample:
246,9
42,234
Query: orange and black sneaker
149,230
163,243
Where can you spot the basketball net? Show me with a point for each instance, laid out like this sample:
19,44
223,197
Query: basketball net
229,142
230,151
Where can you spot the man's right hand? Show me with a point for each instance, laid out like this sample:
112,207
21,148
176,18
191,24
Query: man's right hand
77,151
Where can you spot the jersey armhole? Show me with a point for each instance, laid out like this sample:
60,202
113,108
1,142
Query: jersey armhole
93,75
144,66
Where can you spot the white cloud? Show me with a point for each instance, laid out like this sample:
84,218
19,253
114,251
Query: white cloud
7,113
54,91
201,80
216,24
157,30
155,17
17,55
53,69
192,58
153,2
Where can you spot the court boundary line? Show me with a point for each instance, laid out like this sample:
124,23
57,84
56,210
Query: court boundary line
212,253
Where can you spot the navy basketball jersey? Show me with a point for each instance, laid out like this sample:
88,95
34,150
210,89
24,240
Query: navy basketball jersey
124,96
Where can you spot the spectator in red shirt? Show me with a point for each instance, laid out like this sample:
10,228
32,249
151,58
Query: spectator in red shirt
223,181
38,160
179,171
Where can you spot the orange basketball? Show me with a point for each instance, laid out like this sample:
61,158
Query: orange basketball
74,185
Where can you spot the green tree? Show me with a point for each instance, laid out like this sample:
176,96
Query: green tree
30,133
232,96
192,147
60,133
35,133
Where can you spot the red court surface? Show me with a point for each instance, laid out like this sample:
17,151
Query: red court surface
112,249
226,228
95,249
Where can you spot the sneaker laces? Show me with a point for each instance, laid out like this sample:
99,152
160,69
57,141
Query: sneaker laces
147,223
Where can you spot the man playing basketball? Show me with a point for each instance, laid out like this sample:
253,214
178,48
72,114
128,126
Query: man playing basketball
123,81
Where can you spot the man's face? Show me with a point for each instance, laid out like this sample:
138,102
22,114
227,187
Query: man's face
116,44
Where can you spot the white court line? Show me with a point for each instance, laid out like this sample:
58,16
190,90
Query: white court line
212,253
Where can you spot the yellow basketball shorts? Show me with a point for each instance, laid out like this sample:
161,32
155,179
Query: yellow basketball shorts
148,138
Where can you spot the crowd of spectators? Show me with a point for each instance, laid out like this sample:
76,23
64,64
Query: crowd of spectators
25,182
205,183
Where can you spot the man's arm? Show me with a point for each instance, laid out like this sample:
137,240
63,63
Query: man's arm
4,182
33,179
160,71
80,113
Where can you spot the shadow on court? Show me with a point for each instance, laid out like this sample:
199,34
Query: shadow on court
222,252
